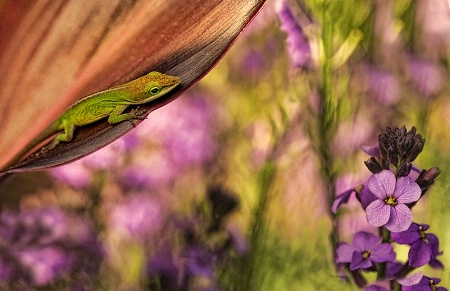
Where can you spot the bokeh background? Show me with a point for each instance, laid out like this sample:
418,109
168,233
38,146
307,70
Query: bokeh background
229,187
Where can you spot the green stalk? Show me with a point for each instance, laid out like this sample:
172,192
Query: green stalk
325,120
249,270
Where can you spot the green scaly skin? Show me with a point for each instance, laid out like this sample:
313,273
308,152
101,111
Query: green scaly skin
110,103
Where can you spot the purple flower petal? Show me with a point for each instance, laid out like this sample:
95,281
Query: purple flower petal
406,190
425,284
359,262
345,252
367,197
382,253
400,218
373,151
433,241
419,254
434,244
365,241
382,184
341,199
408,236
377,213
375,288
412,280
392,269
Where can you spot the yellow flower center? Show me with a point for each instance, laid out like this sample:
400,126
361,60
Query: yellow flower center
391,201
366,255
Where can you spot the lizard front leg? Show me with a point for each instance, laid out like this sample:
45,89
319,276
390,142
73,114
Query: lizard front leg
117,116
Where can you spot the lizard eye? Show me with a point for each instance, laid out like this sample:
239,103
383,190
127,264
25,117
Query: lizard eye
154,90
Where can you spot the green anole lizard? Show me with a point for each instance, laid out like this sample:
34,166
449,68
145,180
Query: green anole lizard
110,103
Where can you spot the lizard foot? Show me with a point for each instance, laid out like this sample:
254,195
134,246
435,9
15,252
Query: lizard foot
138,113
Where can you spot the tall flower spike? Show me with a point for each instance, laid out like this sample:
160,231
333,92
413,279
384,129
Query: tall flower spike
297,44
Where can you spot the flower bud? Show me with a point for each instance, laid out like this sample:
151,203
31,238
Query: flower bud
373,165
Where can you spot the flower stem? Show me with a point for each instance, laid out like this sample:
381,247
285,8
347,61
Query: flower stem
385,238
325,120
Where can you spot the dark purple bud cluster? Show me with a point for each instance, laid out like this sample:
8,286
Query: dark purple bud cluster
400,147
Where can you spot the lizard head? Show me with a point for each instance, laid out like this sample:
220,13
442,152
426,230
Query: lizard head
156,84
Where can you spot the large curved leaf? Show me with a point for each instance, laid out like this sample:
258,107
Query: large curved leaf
59,51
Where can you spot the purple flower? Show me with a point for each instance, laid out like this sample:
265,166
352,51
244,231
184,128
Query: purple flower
74,174
425,76
424,246
389,209
184,129
139,217
298,46
424,284
199,261
46,264
365,250
45,245
383,86
164,267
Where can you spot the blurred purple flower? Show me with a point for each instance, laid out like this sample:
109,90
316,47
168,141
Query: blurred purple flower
365,250
74,174
10,268
238,240
199,261
107,157
30,227
164,267
425,76
425,284
252,63
389,209
424,246
130,141
46,264
184,129
297,43
139,217
351,134
382,85
39,245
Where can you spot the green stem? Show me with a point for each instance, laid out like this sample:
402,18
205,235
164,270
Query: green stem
385,238
251,263
325,120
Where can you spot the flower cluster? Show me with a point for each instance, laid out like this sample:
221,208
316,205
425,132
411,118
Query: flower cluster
205,246
387,198
39,247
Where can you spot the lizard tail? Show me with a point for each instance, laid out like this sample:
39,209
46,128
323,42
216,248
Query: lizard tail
41,137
